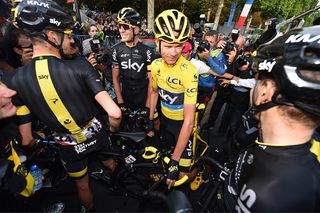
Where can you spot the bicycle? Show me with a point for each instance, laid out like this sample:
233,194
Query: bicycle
149,173
214,175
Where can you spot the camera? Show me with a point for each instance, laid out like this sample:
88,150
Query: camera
243,60
93,45
235,34
198,30
203,44
230,45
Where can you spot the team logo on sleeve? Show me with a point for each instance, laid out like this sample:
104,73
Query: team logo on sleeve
149,56
191,92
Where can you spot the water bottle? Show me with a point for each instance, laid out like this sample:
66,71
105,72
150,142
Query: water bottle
37,176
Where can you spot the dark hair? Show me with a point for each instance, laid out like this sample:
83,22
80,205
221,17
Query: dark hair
210,33
292,112
11,40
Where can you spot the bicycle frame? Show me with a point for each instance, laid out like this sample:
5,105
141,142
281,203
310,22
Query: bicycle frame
196,137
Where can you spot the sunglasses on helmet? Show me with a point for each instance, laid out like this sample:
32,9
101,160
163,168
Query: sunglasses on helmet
125,26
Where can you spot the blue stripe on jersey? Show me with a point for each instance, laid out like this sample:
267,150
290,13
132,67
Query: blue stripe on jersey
172,107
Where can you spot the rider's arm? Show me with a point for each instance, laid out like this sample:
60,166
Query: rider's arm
150,56
116,84
185,132
149,89
190,82
114,113
26,134
154,89
116,76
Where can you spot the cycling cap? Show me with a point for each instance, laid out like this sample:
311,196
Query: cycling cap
294,61
172,26
36,15
187,47
128,15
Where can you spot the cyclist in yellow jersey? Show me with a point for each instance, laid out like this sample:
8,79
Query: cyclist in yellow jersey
175,80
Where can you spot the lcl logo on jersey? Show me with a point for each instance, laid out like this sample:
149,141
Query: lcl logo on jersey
133,66
174,80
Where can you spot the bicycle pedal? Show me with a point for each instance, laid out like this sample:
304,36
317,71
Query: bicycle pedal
195,184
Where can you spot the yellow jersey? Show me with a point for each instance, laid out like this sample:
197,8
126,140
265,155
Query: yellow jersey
177,85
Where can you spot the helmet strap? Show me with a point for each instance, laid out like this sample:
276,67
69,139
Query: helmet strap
59,47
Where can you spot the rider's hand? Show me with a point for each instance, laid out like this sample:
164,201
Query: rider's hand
173,173
150,128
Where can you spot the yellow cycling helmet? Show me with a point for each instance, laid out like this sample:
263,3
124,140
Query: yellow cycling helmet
172,26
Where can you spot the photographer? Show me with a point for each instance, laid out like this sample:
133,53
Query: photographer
207,76
238,99
100,60
227,56
211,37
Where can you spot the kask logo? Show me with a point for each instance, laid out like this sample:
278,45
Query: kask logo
303,38
41,4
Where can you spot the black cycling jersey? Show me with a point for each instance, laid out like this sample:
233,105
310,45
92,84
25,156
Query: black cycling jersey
275,178
75,82
8,131
133,63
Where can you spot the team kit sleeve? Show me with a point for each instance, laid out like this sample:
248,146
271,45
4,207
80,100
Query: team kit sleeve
23,113
154,69
150,57
191,85
114,58
91,78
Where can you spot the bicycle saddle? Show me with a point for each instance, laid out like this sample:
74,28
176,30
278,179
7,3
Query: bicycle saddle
136,137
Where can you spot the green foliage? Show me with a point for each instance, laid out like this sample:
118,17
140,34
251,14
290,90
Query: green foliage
193,8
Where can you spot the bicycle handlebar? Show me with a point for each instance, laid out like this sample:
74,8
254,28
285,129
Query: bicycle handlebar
155,154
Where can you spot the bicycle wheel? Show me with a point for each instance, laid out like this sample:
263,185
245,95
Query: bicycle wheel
140,177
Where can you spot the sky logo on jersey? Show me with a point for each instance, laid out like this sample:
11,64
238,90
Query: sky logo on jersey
149,56
43,77
246,199
132,66
166,97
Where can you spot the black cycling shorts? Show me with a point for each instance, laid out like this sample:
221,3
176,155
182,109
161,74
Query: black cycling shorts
170,130
136,98
75,158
